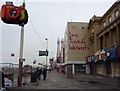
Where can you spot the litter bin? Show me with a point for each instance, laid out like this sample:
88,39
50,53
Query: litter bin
33,77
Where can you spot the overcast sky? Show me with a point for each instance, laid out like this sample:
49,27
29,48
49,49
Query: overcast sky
46,20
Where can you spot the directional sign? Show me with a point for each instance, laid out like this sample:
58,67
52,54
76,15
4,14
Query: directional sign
43,53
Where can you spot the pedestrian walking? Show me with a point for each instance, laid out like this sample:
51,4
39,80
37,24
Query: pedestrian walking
39,73
2,85
2,77
44,73
34,77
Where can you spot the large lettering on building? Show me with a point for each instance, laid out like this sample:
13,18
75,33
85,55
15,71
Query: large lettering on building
77,42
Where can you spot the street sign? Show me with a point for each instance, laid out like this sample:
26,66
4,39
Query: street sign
43,53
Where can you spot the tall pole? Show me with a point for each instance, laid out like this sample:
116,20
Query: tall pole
21,52
21,57
51,63
46,50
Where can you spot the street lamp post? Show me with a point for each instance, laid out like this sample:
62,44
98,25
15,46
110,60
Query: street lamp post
21,53
52,54
21,57
46,50
52,59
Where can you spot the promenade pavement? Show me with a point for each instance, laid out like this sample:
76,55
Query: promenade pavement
98,81
56,80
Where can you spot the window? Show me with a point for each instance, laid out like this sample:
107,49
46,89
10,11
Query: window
113,36
116,13
107,21
104,23
80,68
101,42
110,19
107,40
113,17
92,30
82,27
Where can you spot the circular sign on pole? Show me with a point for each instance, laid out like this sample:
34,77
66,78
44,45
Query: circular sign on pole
13,13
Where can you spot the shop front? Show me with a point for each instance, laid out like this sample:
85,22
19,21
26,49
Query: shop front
100,61
67,69
114,59
72,68
101,67
90,65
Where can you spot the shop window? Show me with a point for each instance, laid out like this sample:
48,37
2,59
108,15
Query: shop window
80,68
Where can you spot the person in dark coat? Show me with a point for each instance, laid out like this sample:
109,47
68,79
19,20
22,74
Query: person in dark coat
2,77
39,73
44,73
36,77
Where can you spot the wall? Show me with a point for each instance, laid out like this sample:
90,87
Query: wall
77,42
69,73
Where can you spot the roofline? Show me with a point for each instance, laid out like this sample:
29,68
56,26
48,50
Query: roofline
79,22
109,10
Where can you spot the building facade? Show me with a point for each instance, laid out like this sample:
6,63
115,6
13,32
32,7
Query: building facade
94,27
93,47
104,42
109,39
76,48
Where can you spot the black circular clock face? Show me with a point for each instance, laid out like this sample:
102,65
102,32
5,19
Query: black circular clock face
13,13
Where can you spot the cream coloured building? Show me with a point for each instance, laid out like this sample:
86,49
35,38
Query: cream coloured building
76,47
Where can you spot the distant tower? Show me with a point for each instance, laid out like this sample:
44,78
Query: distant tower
58,51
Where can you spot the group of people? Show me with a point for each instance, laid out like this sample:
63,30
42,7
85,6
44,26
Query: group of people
37,76
40,72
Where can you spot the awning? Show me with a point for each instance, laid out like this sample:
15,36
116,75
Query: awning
113,56
73,62
101,56
91,59
100,61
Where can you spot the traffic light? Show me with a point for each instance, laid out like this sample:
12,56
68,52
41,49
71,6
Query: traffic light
11,14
